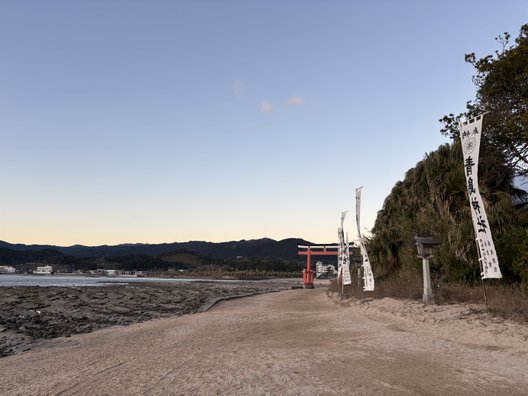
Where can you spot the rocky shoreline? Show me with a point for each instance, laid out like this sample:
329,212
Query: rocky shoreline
29,314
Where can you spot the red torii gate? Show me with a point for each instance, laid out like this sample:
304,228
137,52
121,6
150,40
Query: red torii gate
324,250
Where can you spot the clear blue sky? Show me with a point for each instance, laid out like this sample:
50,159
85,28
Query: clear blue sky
161,121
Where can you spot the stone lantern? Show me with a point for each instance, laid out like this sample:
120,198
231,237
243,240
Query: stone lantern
424,245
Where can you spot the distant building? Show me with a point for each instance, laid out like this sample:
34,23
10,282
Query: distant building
45,270
4,269
109,272
324,271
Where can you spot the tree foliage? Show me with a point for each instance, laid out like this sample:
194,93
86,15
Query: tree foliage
502,93
432,200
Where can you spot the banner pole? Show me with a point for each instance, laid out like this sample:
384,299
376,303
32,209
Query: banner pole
485,294
479,255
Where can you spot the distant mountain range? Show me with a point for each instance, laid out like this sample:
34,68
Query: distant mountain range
285,249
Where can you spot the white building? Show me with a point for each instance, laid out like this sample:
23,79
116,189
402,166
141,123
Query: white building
322,270
109,272
45,270
4,269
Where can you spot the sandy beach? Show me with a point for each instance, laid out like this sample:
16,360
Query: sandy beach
292,342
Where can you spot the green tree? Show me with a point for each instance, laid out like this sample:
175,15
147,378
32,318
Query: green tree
432,199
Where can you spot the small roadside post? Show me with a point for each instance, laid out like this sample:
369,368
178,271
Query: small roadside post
424,245
358,260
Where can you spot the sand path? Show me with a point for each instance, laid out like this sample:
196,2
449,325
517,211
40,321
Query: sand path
288,343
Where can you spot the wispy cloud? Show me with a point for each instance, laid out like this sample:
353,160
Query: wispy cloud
266,107
295,101
238,88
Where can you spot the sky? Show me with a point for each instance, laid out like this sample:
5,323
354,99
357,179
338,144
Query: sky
163,121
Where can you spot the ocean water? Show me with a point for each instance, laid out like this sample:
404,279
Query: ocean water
76,280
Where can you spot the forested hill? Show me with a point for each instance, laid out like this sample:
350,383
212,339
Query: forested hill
433,198
285,249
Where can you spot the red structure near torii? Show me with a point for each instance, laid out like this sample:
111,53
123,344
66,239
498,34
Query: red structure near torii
309,251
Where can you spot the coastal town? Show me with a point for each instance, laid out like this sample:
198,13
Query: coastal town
48,270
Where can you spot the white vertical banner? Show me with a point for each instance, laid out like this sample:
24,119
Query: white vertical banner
347,279
368,276
339,256
358,209
470,132
343,256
